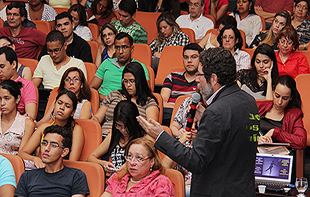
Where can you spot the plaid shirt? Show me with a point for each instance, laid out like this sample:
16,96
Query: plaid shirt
177,39
303,32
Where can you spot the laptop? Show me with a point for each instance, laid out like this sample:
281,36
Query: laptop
274,171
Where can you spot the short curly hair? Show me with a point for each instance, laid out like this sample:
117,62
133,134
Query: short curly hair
218,61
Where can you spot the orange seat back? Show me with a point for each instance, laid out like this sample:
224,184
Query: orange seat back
263,22
160,105
17,163
151,81
177,180
168,130
211,18
94,31
43,26
190,33
177,105
94,46
249,51
31,63
91,70
60,10
142,53
305,53
1,22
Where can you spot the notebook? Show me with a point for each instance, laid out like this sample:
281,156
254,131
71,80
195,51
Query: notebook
274,171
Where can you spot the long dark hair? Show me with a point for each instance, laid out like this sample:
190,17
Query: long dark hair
81,12
238,37
106,13
143,92
289,82
126,112
13,88
264,49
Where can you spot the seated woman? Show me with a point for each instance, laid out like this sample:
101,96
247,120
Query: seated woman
301,23
135,89
106,47
78,13
230,39
125,129
15,129
290,62
282,19
64,109
101,12
210,40
247,19
73,80
169,34
281,119
258,81
142,174
216,8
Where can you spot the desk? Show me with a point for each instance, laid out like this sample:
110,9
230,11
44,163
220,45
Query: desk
279,194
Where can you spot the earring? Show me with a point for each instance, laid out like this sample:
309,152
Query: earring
151,169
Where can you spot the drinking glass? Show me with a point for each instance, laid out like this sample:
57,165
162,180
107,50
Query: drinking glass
301,185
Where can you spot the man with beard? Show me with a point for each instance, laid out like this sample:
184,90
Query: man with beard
181,83
222,158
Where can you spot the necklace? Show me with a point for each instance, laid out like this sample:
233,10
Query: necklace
134,181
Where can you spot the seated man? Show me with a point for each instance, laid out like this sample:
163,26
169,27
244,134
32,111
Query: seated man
51,67
109,73
77,47
8,66
27,40
195,19
54,179
7,177
126,23
181,83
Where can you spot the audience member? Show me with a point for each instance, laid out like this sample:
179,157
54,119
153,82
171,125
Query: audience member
134,88
61,3
54,179
28,100
3,10
15,128
142,174
224,129
230,39
7,177
107,43
216,8
109,74
125,129
247,19
101,12
51,67
64,109
76,46
74,80
27,40
210,40
290,62
259,80
195,19
86,3
169,34
282,19
301,23
78,13
281,119
181,83
126,23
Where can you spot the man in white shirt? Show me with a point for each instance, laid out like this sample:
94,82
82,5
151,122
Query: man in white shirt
195,19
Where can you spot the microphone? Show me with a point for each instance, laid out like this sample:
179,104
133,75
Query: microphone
190,117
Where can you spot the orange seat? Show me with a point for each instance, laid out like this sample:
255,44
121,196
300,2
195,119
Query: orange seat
249,51
43,26
60,10
263,22
142,53
148,21
94,30
31,63
183,12
116,14
211,18
17,163
177,180
190,33
1,22
151,81
94,173
168,130
305,53
177,105
171,56
91,70
94,46
160,105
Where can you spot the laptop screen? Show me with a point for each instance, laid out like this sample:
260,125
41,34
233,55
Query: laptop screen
273,168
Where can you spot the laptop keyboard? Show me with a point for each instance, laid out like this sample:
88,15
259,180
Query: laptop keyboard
272,186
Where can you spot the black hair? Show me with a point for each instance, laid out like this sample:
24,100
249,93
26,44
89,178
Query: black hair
220,62
54,36
7,38
12,86
10,54
126,112
251,8
108,10
63,15
192,46
129,6
122,35
18,5
67,135
307,2
81,12
238,37
228,20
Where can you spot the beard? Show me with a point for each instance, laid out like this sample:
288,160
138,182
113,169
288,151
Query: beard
206,92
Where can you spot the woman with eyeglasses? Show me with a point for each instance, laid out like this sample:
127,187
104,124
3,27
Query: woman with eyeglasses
135,89
282,19
301,23
142,174
290,62
125,129
15,129
78,13
106,48
101,12
64,108
73,80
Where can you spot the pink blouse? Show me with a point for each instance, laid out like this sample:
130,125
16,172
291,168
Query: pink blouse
154,184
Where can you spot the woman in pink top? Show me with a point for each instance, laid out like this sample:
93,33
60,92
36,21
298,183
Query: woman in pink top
290,62
142,173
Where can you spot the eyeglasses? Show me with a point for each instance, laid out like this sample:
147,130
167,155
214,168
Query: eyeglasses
199,74
106,35
229,37
125,81
289,43
193,57
52,144
56,51
124,48
303,7
194,4
139,159
120,127
74,80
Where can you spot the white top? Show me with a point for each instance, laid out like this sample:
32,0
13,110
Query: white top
84,32
251,25
3,14
78,109
243,60
200,26
48,14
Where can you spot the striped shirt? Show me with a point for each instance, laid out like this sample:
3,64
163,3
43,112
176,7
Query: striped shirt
243,60
303,32
136,31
